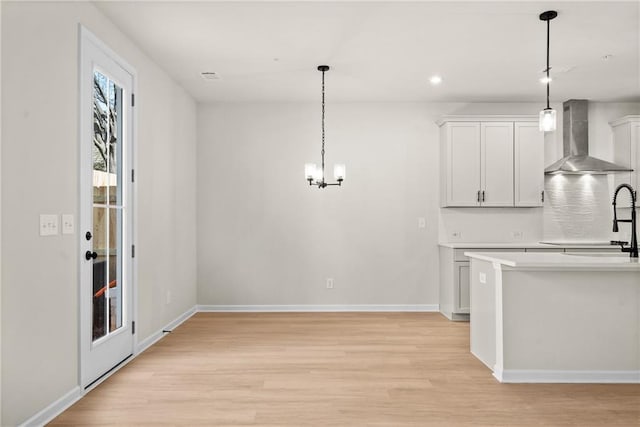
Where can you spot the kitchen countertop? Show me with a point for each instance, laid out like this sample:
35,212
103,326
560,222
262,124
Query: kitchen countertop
526,245
559,260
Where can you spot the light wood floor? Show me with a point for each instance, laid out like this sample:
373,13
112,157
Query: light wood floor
338,369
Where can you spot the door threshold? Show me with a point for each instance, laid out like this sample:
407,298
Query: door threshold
107,374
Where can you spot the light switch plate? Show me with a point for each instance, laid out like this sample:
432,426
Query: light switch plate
48,225
422,222
483,278
68,226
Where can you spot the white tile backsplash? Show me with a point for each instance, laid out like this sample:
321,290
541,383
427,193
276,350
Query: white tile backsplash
578,207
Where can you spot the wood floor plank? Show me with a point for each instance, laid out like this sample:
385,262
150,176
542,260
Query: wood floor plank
334,369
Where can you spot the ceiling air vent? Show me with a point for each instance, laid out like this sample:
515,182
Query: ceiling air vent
210,75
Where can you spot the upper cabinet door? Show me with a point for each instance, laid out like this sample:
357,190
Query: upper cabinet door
496,164
461,149
626,152
529,165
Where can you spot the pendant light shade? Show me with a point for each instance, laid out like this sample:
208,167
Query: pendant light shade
548,120
548,115
313,173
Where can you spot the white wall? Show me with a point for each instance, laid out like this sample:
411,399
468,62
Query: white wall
40,175
265,237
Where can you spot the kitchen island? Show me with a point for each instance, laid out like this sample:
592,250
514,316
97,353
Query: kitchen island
556,317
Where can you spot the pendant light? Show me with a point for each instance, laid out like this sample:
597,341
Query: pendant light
314,174
548,115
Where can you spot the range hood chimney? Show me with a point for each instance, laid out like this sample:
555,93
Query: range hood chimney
575,143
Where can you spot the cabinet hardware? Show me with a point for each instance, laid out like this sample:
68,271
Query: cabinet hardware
90,255
478,196
542,196
483,195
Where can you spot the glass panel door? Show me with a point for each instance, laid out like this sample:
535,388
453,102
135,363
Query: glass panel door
107,307
107,326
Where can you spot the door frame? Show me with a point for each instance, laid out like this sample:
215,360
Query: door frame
86,36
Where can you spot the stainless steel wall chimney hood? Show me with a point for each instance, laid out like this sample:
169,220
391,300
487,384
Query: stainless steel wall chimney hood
575,143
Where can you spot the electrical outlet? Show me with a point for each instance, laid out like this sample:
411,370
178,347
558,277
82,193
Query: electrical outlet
422,222
456,235
329,283
48,225
517,235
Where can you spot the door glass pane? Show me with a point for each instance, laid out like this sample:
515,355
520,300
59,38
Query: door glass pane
107,206
100,137
115,142
115,269
99,296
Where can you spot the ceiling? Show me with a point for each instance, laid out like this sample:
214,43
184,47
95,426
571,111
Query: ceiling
386,51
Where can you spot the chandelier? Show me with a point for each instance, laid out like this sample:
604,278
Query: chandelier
314,174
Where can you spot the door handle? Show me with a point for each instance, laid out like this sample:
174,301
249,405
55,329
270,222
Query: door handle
90,255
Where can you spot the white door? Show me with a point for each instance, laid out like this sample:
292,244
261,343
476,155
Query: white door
529,164
106,226
463,168
496,142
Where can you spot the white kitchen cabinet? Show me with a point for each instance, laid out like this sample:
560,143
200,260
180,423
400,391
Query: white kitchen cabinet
463,283
491,161
626,149
496,164
455,296
460,153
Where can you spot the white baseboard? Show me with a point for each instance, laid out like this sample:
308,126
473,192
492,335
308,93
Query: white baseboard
157,336
556,376
320,308
53,410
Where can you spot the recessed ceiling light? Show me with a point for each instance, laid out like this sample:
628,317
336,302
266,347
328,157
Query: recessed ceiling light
210,75
544,80
435,80
607,57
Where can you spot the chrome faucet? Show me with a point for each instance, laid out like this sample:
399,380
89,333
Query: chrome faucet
633,249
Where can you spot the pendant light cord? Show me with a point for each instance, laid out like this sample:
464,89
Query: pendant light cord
322,152
548,82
